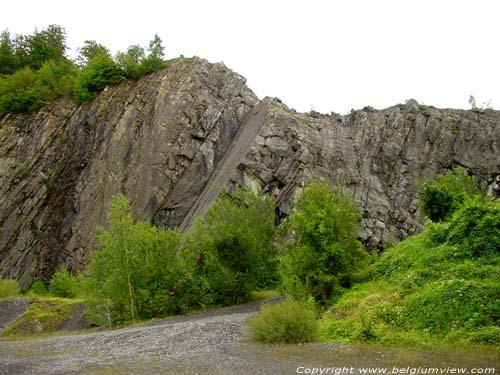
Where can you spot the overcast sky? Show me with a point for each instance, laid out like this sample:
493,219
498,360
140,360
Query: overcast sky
322,55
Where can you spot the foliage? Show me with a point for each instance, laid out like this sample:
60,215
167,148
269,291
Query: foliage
441,197
138,272
43,315
16,92
476,227
63,284
287,322
7,57
38,288
26,90
232,246
89,50
326,251
135,63
100,71
31,50
439,286
34,69
9,288
55,78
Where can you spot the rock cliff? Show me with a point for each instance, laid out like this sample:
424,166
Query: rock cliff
170,141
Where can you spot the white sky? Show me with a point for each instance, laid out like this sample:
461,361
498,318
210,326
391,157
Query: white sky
322,55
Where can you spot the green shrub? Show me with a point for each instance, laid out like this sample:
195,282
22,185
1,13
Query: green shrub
287,322
441,197
231,246
38,288
95,76
476,228
9,288
63,284
16,92
326,251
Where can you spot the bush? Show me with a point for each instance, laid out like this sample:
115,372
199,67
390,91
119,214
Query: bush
232,248
26,90
326,251
287,322
441,197
95,76
9,288
63,284
476,228
16,92
38,288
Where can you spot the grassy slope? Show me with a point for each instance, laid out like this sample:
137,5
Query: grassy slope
421,292
43,315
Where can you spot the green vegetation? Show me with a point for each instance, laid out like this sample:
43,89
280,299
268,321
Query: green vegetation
287,322
43,315
324,253
34,69
231,247
137,273
95,76
441,197
441,286
9,288
141,272
63,284
38,289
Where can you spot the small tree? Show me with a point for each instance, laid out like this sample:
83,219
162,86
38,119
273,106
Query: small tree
88,51
325,250
232,246
7,57
137,273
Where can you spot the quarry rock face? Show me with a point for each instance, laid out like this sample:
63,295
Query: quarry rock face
172,140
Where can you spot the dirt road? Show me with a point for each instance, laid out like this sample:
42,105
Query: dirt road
214,342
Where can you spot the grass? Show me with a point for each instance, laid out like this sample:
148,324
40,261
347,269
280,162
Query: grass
43,315
9,288
261,295
421,293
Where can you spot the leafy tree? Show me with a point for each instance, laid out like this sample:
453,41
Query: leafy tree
443,195
7,57
232,246
48,44
325,250
137,273
154,61
89,50
131,61
99,72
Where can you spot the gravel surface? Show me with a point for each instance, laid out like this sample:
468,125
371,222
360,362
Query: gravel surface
214,342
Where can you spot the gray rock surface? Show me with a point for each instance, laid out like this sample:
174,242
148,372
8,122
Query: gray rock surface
171,140
11,309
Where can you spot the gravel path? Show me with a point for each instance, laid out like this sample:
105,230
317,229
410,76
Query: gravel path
214,342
